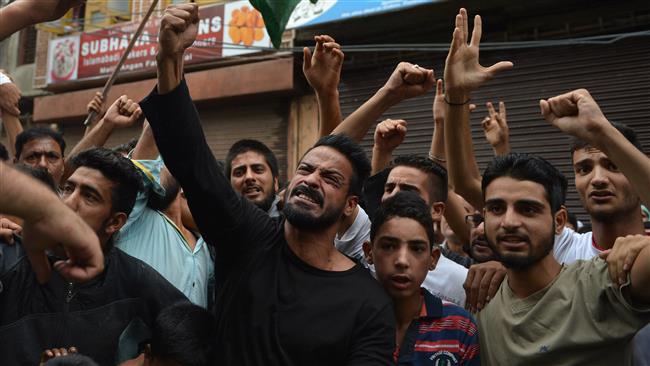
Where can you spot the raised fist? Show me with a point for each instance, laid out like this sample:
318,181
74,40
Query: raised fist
389,134
408,81
178,29
124,112
575,113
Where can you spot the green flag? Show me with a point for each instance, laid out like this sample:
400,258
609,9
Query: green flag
276,15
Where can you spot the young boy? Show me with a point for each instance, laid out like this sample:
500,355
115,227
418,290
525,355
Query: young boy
430,331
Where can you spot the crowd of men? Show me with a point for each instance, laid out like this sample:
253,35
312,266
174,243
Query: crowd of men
156,253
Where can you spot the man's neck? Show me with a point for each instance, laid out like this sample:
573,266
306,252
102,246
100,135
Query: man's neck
405,311
605,232
174,213
525,282
456,247
316,248
347,222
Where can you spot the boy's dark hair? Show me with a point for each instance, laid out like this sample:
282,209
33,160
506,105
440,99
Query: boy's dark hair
246,145
355,155
4,154
39,174
36,133
117,169
529,167
404,204
126,147
437,174
629,133
71,360
185,333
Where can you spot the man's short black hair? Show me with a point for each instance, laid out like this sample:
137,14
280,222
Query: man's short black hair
572,219
118,170
437,174
355,155
404,204
629,133
71,360
247,145
39,174
185,333
4,154
529,167
36,133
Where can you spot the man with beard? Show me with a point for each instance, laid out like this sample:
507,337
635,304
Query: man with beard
544,312
287,296
253,171
38,313
156,233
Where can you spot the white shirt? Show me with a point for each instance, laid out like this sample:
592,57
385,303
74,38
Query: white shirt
446,281
571,246
351,242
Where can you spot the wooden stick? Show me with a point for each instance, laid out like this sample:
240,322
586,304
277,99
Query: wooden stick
111,79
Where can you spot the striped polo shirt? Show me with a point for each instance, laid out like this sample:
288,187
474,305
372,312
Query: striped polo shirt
444,334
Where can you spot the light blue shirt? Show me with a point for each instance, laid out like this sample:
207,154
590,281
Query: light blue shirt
154,239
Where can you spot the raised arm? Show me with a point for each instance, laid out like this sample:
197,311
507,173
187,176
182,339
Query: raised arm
495,128
407,81
463,75
23,13
146,148
122,113
323,72
577,113
49,222
223,217
389,134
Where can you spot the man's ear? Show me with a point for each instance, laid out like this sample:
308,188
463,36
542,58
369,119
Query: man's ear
367,251
115,223
350,205
560,217
276,185
437,210
435,255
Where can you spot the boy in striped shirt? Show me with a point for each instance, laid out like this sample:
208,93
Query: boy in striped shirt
430,331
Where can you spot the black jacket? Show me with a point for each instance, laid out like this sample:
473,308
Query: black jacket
90,316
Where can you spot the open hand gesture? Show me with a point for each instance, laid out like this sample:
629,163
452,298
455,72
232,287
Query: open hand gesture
389,134
124,112
408,81
323,68
463,73
178,29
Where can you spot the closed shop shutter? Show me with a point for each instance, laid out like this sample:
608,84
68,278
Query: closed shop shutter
617,75
265,121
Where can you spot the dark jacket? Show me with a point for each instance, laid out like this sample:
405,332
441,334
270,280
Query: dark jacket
90,316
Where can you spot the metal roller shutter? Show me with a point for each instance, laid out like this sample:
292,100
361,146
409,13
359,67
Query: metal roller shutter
617,75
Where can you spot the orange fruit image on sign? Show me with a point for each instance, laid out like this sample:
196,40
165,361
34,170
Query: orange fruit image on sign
246,26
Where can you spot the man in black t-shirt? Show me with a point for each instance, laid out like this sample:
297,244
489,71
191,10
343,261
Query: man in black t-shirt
288,297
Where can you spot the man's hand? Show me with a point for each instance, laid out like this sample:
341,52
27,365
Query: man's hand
622,255
49,354
178,30
8,229
389,134
576,113
483,281
9,98
96,105
124,112
463,73
323,69
408,81
496,129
